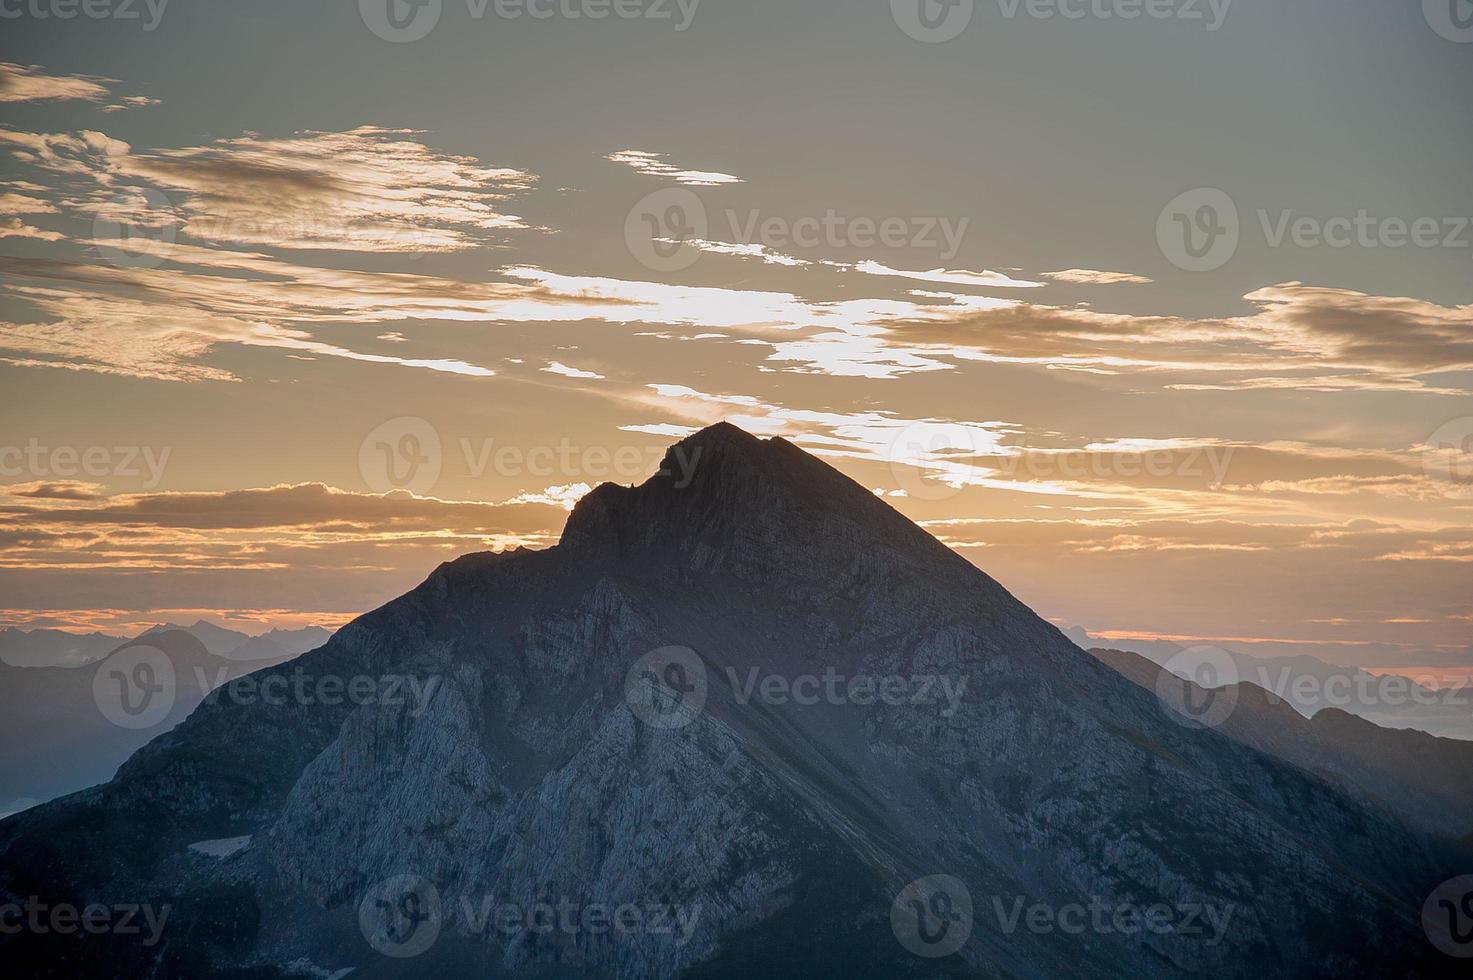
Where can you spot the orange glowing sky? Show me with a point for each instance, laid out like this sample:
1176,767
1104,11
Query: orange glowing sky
268,359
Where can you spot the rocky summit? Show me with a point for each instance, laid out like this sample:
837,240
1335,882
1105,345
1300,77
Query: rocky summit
743,720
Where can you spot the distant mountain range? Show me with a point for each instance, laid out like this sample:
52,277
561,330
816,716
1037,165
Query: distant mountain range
58,648
773,726
50,717
1312,685
1424,780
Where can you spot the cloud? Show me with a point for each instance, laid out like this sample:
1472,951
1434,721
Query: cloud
557,368
131,102
1093,277
12,203
1303,337
291,551
381,190
1377,334
654,165
367,189
21,83
937,446
954,277
565,497
55,490
163,332
754,250
16,228
296,506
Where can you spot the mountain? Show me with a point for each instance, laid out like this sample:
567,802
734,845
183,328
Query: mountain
64,742
49,648
235,645
1311,685
767,722
1424,780
58,648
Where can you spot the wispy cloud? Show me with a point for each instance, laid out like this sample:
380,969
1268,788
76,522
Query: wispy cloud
22,83
556,367
16,228
953,277
655,165
290,550
367,189
1093,277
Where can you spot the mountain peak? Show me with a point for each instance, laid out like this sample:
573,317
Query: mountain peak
723,496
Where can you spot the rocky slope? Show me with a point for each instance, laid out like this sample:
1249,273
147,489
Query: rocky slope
557,753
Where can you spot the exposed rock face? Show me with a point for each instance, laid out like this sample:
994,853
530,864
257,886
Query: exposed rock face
768,837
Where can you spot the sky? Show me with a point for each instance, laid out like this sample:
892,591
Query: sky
1159,312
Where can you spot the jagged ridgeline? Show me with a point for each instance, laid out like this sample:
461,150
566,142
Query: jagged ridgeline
744,720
